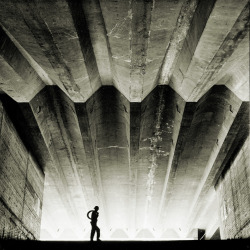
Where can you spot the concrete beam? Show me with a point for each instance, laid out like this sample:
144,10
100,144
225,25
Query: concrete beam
238,31
190,45
18,79
164,16
54,43
89,59
235,72
99,39
177,40
140,26
118,17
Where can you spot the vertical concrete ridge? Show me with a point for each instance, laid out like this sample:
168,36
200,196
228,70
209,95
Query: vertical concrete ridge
135,127
224,99
47,117
159,112
89,143
211,123
79,20
234,140
101,47
67,124
235,36
178,144
178,38
140,26
108,121
179,119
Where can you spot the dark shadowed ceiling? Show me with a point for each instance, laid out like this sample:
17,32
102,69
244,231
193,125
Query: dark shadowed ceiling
135,106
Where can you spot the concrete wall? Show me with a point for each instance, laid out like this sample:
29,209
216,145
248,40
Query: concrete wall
233,189
21,185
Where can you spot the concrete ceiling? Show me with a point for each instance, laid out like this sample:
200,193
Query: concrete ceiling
135,106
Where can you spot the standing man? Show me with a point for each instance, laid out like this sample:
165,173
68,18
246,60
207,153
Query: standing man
93,218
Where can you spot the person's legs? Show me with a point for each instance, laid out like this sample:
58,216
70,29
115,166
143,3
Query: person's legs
92,232
98,232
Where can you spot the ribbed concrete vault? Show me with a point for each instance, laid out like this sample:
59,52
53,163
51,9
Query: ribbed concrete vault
135,106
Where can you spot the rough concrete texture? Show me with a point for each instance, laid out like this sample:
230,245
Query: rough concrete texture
21,185
234,199
136,106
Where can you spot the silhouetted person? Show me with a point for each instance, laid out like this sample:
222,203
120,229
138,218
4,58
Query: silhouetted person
93,218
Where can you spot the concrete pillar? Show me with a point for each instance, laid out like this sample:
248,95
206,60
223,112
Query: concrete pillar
108,113
161,115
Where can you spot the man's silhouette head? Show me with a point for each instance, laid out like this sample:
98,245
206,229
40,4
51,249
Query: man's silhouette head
96,208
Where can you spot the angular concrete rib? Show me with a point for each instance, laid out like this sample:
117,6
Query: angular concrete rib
235,72
177,40
135,126
108,112
18,78
190,44
57,121
209,127
164,15
232,40
233,142
140,26
182,125
99,40
159,112
89,143
55,44
86,47
117,16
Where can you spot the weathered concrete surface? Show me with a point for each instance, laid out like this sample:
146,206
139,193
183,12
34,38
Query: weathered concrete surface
148,155
109,127
56,117
233,142
56,43
18,78
209,127
161,110
133,45
21,189
233,193
98,34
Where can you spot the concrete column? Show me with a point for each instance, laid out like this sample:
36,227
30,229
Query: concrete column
160,122
56,117
108,113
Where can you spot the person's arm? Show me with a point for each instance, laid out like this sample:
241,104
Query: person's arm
89,213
